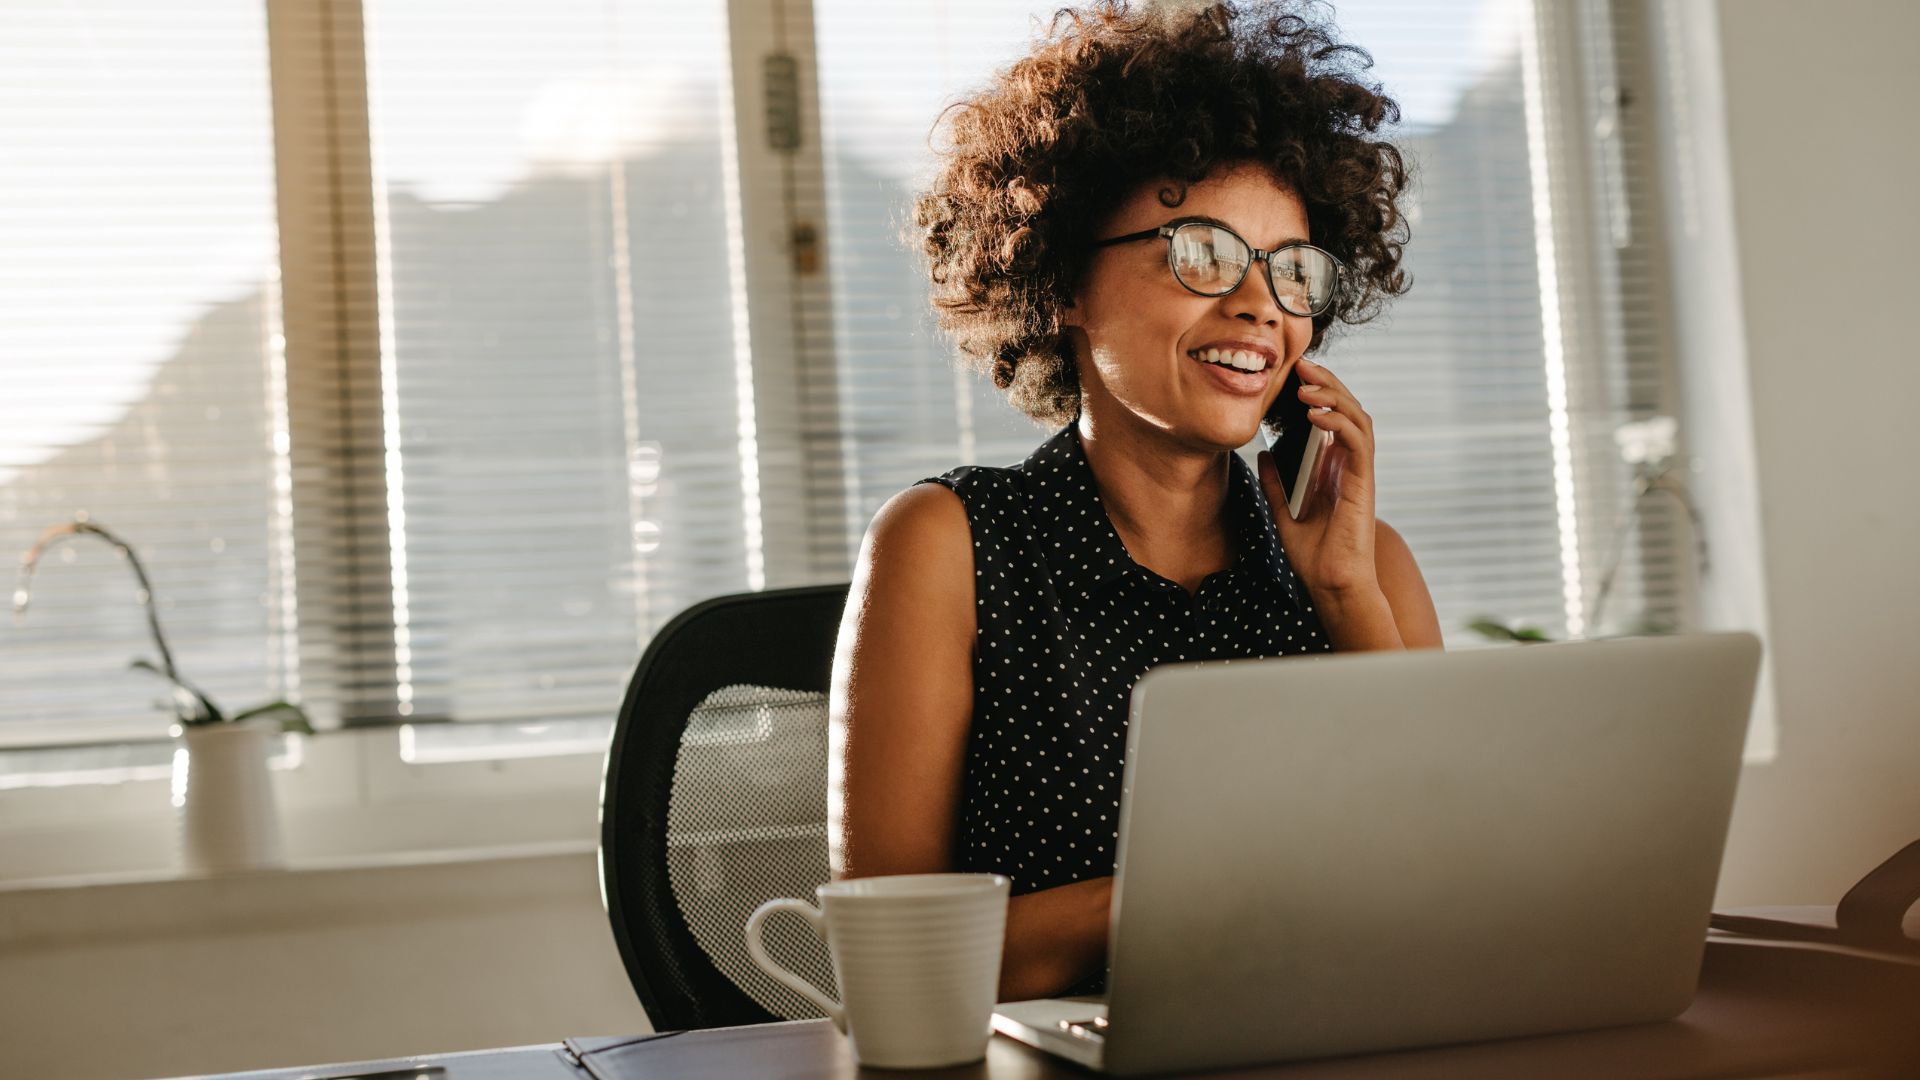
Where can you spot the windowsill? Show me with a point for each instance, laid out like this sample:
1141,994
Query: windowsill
347,799
305,897
311,866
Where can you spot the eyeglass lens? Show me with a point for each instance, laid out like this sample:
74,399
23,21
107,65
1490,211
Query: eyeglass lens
1210,260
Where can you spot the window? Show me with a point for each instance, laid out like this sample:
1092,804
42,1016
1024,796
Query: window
1495,423
1498,382
555,282
574,327
908,409
139,343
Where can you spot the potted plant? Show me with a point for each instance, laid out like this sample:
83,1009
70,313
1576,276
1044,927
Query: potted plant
1648,446
222,791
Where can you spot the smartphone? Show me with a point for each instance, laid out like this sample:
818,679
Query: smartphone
1298,448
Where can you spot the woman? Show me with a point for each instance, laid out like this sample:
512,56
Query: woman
1100,239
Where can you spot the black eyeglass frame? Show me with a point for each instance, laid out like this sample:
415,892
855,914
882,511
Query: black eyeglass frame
1166,231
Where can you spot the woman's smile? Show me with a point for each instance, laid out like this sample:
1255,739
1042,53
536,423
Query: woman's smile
1238,367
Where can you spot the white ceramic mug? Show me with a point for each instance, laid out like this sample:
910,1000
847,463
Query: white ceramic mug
918,960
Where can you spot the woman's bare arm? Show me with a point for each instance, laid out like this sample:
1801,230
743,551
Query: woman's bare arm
1405,589
902,697
901,708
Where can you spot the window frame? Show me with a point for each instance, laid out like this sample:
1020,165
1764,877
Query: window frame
349,585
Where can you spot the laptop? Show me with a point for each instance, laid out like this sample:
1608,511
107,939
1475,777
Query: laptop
1359,852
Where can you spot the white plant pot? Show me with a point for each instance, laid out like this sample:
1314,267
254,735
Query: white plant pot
223,798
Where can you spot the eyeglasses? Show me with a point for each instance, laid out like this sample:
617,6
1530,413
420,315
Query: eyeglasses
1212,260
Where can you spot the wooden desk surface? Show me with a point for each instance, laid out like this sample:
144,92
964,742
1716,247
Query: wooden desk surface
1763,1009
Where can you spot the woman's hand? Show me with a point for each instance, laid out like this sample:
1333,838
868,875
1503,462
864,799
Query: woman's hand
1331,546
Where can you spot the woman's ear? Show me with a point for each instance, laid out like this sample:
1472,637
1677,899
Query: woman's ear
1073,342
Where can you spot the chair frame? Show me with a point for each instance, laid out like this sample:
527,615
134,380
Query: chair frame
777,638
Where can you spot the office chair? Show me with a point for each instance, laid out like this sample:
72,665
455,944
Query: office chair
714,800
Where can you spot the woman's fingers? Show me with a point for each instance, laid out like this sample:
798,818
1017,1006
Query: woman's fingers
1331,393
1311,372
1347,433
1338,411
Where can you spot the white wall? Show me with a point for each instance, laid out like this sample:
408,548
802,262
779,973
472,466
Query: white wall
165,978
451,905
1821,104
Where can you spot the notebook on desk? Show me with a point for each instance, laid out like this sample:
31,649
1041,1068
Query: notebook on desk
1361,852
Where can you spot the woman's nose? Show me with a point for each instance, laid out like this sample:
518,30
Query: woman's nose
1254,299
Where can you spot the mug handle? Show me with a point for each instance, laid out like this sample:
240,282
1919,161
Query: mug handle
758,952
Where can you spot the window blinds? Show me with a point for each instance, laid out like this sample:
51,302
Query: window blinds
908,408
139,335
1456,376
516,426
560,337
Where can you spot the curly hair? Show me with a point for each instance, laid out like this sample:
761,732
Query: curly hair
1110,99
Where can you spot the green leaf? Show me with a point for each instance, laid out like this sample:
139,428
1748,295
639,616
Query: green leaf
190,706
1485,626
293,717
1489,627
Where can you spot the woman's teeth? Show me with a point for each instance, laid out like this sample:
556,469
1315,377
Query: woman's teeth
1238,359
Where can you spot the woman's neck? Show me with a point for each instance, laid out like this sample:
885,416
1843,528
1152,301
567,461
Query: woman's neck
1166,500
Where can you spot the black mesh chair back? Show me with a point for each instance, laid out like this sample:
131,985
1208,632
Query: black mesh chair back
714,800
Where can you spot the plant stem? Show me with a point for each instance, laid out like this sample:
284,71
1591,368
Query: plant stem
1644,485
81,527
1641,485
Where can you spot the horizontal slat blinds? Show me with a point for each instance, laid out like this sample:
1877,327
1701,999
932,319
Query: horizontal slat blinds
1459,376
908,409
498,422
1456,375
1657,557
139,338
559,331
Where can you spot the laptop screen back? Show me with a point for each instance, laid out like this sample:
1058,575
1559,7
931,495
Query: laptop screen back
1357,852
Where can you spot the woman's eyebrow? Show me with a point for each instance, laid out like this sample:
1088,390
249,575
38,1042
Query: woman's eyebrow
1207,219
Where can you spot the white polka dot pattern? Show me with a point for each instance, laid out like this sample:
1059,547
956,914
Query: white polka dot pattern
1067,623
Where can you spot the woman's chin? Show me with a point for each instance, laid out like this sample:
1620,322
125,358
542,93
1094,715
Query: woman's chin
1227,432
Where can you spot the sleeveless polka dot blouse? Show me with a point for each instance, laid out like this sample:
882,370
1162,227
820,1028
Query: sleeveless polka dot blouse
1067,623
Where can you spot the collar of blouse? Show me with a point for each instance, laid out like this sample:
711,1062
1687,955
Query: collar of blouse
1085,554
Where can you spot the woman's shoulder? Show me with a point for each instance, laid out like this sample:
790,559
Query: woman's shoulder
927,511
916,562
925,527
992,501
939,521
977,482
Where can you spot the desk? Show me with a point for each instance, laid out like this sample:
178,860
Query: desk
1762,1009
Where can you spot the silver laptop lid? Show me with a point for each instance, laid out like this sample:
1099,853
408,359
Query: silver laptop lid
1357,852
